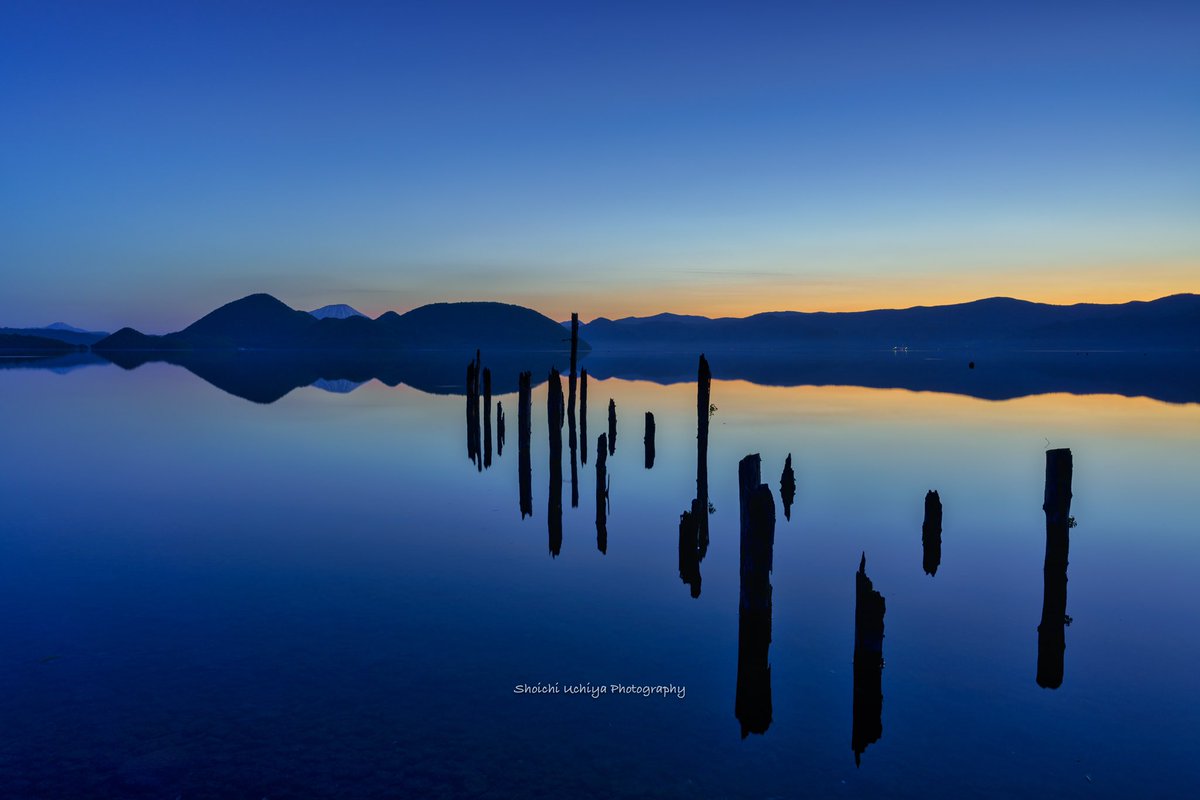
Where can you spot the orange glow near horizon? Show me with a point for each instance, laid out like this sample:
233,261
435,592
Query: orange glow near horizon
733,296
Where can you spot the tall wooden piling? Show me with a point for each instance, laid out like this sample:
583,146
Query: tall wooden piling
703,412
648,440
487,417
573,376
612,427
869,610
554,410
752,704
931,533
1052,640
524,432
499,428
602,493
689,546
472,444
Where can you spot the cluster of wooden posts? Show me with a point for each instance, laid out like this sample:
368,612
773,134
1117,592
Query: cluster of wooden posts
752,705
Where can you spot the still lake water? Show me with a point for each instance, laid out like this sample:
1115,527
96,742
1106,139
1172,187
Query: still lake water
322,596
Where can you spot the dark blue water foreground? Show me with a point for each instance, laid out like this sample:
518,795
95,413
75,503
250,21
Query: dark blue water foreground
323,597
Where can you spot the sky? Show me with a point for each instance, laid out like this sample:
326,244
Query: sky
160,159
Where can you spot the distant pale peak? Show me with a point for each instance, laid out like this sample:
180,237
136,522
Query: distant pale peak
336,311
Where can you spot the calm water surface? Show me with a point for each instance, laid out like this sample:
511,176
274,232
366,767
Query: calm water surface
208,597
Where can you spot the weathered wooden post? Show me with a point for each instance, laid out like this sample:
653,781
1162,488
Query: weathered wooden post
572,378
602,493
487,417
477,412
471,408
571,438
787,487
554,409
869,609
649,440
1052,639
524,432
749,479
612,427
689,555
499,428
931,533
752,704
703,412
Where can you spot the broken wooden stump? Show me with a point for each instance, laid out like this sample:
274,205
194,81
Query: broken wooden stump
869,610
931,533
612,427
648,440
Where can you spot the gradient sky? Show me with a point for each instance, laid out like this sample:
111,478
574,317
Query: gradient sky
160,159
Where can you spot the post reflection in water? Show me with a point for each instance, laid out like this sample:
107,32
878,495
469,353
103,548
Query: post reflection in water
787,487
524,433
869,608
752,704
693,523
583,415
1052,642
931,533
554,410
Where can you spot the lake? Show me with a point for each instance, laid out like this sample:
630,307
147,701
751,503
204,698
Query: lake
324,596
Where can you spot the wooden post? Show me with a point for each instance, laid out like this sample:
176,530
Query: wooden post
612,427
499,428
477,415
487,417
1052,639
703,406
471,407
752,703
869,609
749,479
602,493
757,516
554,410
571,379
931,533
524,431
689,546
649,440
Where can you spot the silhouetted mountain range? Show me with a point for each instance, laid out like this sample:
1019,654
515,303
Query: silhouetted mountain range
39,345
261,322
1167,323
59,331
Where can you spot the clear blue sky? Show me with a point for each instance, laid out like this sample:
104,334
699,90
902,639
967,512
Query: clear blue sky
159,159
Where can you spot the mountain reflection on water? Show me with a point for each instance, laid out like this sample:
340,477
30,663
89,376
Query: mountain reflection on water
264,376
321,597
